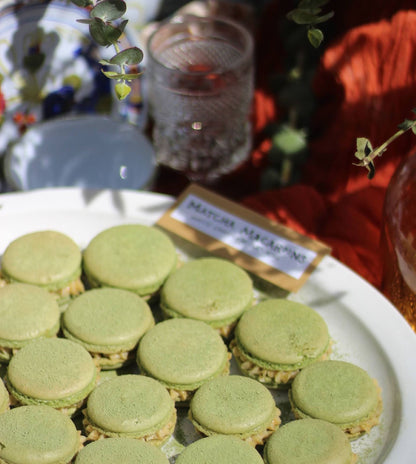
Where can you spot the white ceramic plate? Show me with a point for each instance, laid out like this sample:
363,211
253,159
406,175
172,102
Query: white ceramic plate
82,151
366,328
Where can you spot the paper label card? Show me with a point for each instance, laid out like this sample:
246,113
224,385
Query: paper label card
226,229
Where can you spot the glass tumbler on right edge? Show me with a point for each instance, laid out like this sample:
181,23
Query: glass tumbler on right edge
399,240
200,87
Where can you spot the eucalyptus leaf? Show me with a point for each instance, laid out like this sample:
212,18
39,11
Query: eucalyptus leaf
109,10
414,129
301,16
82,3
122,90
323,18
129,56
116,75
315,36
289,141
406,124
104,34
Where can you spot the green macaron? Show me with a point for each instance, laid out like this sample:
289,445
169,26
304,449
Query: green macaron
219,449
182,354
132,406
339,392
109,323
48,259
308,441
27,312
235,405
4,397
52,371
37,435
120,450
276,338
212,290
132,257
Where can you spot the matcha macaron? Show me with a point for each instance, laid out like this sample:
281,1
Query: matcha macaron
52,371
27,312
132,406
235,405
37,435
308,441
209,289
48,259
276,338
219,449
132,257
4,397
109,323
182,354
339,392
120,450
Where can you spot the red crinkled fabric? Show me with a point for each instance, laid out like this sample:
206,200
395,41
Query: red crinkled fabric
365,86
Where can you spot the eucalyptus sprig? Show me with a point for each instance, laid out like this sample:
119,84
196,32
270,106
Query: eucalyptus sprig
106,26
309,13
367,154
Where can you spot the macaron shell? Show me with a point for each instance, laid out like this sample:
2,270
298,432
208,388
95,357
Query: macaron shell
208,289
120,450
4,397
182,352
131,256
46,258
130,404
37,435
219,449
308,441
336,391
26,312
52,369
282,332
233,405
108,318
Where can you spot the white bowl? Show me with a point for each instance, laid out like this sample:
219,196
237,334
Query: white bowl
81,151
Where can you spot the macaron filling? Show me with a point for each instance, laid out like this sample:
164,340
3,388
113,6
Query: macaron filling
338,392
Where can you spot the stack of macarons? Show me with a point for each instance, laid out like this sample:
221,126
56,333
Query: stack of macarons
277,338
46,258
212,290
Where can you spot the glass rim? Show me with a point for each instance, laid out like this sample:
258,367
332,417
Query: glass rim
245,34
